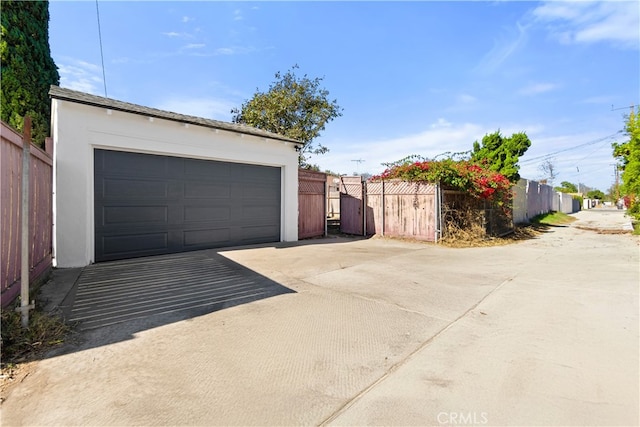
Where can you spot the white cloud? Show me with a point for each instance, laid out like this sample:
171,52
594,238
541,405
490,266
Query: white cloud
605,99
466,99
186,19
80,75
440,137
617,22
503,48
194,46
237,15
537,88
234,50
218,109
174,34
441,123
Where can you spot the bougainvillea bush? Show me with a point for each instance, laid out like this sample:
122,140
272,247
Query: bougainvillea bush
473,178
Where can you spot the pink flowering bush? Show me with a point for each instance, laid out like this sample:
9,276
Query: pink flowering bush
471,177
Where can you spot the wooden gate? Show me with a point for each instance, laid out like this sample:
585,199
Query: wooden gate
393,208
352,205
312,197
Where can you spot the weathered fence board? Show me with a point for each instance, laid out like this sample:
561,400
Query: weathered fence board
531,198
393,208
312,196
351,205
401,209
40,218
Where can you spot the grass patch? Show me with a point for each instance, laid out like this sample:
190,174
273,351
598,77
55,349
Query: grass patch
45,331
553,219
636,228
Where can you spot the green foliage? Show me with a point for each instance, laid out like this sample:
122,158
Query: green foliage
463,175
553,218
566,187
294,107
27,68
501,154
45,331
628,154
595,194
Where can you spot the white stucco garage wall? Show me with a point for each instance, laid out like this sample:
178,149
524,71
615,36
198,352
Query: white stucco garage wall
78,129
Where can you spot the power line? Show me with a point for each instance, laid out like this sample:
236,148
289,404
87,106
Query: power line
534,159
104,77
632,106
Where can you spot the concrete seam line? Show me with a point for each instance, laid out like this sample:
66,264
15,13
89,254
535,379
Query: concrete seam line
402,362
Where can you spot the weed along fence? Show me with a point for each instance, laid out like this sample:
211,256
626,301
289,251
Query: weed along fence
312,199
40,214
466,215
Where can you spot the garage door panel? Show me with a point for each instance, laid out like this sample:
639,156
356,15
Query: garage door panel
120,215
141,164
260,191
206,213
206,237
204,169
146,243
147,205
133,188
264,174
260,214
259,233
207,190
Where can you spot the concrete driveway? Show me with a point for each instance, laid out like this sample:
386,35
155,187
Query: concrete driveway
376,332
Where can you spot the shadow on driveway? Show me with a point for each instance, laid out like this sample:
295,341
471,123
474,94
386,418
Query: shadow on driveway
111,301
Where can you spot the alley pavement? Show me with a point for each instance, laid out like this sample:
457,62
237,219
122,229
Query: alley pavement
374,332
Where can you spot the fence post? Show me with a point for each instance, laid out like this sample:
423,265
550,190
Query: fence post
383,213
364,206
24,270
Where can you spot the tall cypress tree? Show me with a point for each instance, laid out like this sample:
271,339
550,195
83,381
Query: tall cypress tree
27,68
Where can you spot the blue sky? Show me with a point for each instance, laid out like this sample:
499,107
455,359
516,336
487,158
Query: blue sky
412,77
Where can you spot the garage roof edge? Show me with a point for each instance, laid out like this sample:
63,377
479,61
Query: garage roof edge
113,104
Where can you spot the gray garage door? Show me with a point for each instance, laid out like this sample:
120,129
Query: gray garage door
150,205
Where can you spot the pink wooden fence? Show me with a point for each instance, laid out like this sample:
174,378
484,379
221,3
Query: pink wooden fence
312,197
351,205
392,208
40,218
401,209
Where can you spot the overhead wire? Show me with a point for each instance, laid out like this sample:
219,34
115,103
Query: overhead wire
586,144
104,76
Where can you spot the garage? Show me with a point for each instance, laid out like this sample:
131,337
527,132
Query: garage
150,204
133,181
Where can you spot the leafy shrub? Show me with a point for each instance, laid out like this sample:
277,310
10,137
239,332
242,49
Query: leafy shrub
474,178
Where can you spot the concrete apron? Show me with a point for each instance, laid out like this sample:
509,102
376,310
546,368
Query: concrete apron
377,332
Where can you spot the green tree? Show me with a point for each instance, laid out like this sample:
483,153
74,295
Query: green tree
595,194
27,68
296,107
567,187
501,154
628,155
549,171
